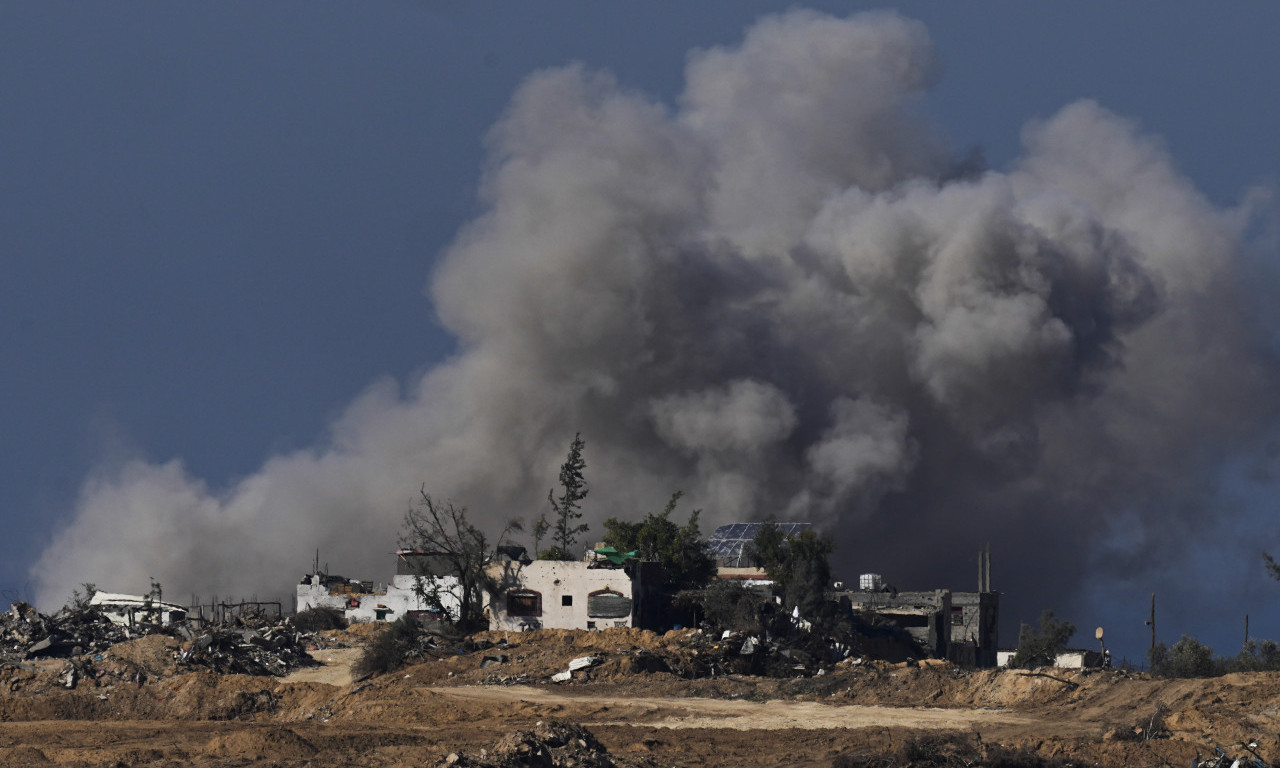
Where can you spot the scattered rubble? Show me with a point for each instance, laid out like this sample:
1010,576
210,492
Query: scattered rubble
549,745
250,645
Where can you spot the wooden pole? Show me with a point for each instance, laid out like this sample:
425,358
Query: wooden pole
1152,622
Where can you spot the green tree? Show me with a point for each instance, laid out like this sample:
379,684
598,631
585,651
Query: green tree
1040,648
798,565
541,527
1187,658
682,552
457,548
567,509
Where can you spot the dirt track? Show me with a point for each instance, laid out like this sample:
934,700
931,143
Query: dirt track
416,716
738,715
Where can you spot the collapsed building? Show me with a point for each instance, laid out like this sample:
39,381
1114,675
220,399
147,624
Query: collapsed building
132,610
962,627
959,626
409,592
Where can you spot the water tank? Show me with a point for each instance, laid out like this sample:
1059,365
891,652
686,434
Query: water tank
870,582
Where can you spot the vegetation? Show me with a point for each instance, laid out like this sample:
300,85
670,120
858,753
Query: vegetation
1191,658
725,604
682,552
317,619
388,650
567,509
798,566
441,529
1040,648
80,600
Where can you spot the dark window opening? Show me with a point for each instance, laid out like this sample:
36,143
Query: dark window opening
608,604
566,600
957,616
908,620
524,603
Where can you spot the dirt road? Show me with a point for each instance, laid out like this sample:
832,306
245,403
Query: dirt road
684,713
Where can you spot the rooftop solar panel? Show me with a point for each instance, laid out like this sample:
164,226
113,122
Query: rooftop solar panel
729,542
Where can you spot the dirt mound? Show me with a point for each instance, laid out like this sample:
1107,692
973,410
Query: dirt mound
23,755
552,744
152,655
261,743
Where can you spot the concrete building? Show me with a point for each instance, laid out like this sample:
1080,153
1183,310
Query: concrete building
130,610
962,627
924,616
554,594
362,601
975,620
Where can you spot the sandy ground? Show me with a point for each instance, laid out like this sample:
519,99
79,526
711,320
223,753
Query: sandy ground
462,702
738,715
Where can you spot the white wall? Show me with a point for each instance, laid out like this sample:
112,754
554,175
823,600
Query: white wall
556,580
399,598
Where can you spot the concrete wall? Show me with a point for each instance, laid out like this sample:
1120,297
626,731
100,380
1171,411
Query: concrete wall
382,603
925,616
562,588
975,624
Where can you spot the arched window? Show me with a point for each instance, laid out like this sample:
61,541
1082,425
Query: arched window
524,602
608,604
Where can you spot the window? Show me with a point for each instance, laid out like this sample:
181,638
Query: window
608,604
524,602
566,600
957,617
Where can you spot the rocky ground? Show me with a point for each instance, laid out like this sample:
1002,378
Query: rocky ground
638,699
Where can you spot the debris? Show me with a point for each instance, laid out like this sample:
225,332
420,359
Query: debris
583,662
553,744
250,645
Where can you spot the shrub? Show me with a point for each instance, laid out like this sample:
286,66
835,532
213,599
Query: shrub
1040,648
388,650
317,619
727,604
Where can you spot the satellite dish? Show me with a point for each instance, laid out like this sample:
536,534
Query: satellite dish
1098,633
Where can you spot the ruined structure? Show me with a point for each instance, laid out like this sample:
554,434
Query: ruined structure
960,626
411,592
132,610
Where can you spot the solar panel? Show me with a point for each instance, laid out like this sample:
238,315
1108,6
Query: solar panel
729,543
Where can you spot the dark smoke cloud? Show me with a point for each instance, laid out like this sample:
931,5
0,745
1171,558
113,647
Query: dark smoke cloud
781,298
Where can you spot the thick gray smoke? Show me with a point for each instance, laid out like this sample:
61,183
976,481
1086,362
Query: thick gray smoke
782,297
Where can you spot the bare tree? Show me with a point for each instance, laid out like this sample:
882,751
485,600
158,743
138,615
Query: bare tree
455,547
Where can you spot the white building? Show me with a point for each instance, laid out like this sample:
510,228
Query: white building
129,610
362,601
554,594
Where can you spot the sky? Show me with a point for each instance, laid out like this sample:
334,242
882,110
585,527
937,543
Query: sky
270,268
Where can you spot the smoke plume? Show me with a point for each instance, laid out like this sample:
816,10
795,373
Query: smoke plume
782,295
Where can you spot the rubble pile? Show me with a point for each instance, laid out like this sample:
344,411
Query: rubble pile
27,634
248,646
274,650
548,745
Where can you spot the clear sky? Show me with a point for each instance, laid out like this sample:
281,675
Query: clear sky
218,220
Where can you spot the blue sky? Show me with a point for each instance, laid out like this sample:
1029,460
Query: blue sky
218,220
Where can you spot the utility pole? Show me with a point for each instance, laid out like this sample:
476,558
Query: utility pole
1246,630
1152,621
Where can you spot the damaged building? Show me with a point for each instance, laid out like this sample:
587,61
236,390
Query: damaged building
959,626
409,593
602,591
